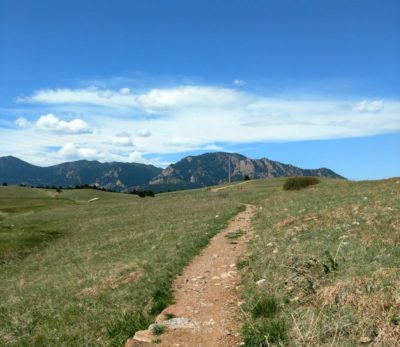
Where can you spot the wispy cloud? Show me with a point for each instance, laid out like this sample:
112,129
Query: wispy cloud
239,82
369,106
22,122
183,118
143,133
124,140
154,101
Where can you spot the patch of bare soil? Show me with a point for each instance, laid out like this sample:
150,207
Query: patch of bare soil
206,295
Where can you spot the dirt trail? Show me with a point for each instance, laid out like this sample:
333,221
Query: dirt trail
206,295
230,186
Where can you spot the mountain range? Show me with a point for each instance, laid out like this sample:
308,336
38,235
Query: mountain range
190,172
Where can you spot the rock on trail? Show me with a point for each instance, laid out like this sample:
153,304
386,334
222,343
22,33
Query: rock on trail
206,296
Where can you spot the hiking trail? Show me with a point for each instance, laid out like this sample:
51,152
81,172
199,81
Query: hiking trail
206,295
230,186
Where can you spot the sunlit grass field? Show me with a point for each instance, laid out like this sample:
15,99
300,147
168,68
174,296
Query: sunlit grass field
322,268
327,262
79,273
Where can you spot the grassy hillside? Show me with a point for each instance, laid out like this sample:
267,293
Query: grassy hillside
78,273
322,268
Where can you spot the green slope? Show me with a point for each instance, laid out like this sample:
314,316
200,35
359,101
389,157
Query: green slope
329,255
107,269
330,258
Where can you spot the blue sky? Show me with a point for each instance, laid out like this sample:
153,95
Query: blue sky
313,83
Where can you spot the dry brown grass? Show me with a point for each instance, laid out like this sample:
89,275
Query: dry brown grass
331,256
110,283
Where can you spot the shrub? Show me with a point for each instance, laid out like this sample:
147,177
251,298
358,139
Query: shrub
158,329
296,183
143,193
169,316
5,184
247,178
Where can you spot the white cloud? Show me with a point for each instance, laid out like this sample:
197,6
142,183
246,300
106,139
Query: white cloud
143,133
122,141
187,118
183,142
136,157
88,96
239,82
22,122
125,91
73,152
369,106
154,101
189,97
51,123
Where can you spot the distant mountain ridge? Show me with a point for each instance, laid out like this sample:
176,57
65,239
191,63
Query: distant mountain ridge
113,175
213,168
190,172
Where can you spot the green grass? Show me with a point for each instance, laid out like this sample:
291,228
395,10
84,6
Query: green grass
169,316
107,268
94,273
158,329
264,333
233,235
26,234
264,307
330,257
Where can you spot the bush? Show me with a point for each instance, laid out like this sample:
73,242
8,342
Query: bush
247,178
158,329
5,184
149,193
143,193
296,183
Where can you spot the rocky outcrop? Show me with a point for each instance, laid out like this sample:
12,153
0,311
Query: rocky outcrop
213,168
190,172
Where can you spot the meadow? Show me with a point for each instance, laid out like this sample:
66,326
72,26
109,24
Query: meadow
321,269
323,266
79,273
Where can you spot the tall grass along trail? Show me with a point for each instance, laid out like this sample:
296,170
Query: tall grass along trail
207,295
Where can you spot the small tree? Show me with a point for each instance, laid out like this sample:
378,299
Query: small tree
5,184
247,178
